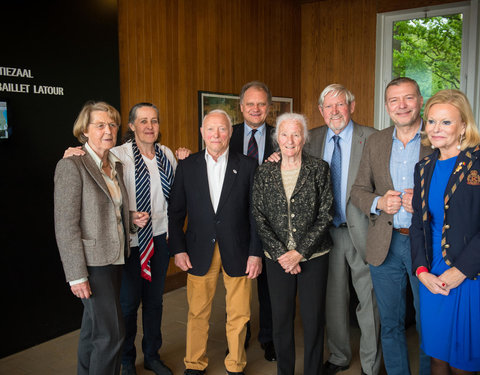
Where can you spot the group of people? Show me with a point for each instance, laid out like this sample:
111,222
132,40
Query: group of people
337,203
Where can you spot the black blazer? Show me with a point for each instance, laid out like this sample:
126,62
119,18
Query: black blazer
232,225
236,142
461,230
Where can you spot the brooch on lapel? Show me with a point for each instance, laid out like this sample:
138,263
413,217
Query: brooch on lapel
235,171
473,178
459,167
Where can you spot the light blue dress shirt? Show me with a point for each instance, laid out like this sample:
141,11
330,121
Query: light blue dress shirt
259,137
402,166
345,147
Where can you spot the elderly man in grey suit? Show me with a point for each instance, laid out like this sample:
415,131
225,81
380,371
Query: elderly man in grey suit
383,191
340,142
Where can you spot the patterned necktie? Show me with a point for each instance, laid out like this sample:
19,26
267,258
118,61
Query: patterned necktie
252,146
142,196
336,172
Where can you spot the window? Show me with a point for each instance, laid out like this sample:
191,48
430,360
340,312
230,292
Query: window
436,46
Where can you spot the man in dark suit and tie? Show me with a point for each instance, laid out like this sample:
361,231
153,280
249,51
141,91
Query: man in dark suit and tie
213,187
253,138
340,142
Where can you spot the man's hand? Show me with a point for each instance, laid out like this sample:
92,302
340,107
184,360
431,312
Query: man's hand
274,158
433,283
289,261
182,261
140,219
182,153
390,202
452,278
254,267
81,290
73,151
407,200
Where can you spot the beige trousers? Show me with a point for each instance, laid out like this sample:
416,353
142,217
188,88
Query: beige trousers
200,293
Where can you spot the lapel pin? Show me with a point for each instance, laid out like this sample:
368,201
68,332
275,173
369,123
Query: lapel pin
459,167
235,171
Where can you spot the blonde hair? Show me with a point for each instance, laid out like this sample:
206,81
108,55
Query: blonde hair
459,101
83,119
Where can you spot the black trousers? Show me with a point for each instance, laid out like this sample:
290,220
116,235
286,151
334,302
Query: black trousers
310,285
103,331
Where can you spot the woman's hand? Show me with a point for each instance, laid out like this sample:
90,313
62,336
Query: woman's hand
433,283
82,290
289,261
140,219
182,153
73,151
452,277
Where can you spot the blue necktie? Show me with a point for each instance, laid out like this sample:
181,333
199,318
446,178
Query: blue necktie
336,172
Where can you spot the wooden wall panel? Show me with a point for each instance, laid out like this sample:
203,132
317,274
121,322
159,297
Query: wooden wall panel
171,49
338,46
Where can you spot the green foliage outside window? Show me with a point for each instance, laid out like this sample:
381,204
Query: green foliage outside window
429,50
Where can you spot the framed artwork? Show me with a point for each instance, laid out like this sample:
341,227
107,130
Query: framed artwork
230,103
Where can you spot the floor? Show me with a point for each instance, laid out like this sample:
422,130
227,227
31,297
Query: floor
58,356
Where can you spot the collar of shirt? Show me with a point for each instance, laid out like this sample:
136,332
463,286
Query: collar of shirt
221,159
248,129
345,135
112,159
415,137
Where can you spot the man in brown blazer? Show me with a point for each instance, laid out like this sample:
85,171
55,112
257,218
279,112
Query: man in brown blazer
383,190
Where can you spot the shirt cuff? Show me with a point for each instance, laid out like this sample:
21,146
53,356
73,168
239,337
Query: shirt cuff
75,282
373,209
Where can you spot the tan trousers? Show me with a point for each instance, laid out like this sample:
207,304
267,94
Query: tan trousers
200,293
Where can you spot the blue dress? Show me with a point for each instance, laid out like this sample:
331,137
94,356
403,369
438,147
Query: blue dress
450,324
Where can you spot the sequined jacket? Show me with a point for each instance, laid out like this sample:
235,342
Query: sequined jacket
461,227
311,208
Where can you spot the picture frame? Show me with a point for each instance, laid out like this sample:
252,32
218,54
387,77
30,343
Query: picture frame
230,103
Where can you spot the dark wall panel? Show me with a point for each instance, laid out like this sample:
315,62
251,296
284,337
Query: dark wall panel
73,46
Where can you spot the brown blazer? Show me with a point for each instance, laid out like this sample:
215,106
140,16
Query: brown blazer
373,180
85,220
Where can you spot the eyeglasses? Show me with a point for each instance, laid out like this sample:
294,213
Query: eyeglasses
337,105
103,125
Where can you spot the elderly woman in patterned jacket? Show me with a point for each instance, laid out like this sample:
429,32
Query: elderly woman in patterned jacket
445,235
292,205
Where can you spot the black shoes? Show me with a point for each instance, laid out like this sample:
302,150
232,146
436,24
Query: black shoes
157,366
331,369
129,369
270,354
194,372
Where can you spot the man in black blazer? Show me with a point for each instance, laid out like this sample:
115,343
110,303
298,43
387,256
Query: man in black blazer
213,187
255,101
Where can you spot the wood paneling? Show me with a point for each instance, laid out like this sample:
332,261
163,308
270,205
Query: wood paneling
171,49
338,46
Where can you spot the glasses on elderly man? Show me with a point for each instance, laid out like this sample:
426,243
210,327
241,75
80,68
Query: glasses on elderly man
103,125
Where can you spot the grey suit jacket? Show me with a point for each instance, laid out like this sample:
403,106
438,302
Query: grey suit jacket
373,180
356,219
85,220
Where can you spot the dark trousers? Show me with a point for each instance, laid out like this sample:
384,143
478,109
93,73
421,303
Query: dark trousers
136,289
103,331
265,307
311,285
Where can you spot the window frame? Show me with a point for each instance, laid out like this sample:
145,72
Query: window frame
469,74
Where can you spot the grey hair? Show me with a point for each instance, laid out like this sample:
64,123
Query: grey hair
258,85
336,89
399,80
291,116
220,111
